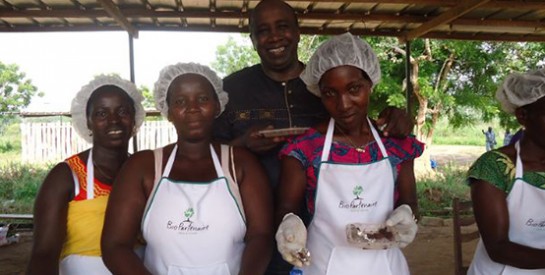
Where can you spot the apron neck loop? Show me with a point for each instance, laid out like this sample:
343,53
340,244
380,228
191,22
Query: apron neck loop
329,139
172,157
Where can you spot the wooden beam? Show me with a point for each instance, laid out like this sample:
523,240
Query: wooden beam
446,17
145,13
304,30
53,14
502,4
67,114
16,216
500,23
128,13
113,10
486,37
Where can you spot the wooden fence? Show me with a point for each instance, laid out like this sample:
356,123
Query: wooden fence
55,141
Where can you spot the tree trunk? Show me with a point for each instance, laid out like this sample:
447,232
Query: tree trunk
422,167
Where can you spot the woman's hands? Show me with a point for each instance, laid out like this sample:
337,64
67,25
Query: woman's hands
291,239
402,219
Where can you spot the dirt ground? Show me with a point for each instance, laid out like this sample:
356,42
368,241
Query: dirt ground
430,254
458,155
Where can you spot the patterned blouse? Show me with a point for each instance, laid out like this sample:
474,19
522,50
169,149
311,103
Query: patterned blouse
308,148
498,169
79,167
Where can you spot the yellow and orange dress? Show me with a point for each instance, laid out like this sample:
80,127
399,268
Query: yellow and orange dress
81,252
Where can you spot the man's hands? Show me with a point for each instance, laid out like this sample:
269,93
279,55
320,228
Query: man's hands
257,143
402,219
291,239
395,122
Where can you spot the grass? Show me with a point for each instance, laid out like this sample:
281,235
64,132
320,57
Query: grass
435,194
467,135
10,139
19,184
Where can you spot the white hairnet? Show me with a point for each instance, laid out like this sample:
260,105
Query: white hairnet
521,89
171,72
78,110
344,49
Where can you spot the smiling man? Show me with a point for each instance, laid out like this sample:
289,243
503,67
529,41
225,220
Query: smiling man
269,95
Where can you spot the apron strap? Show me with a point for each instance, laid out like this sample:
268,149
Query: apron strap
170,161
215,160
90,176
230,175
328,139
518,165
76,181
158,160
226,153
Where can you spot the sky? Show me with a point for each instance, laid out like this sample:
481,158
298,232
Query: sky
60,63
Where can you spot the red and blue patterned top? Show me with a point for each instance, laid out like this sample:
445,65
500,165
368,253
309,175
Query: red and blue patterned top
307,148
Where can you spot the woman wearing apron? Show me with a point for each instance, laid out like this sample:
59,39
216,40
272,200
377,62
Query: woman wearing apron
345,171
508,187
202,207
70,206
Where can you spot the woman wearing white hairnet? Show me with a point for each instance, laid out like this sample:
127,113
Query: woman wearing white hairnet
347,174
70,206
508,186
202,207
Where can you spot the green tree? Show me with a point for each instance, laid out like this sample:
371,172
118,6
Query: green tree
16,91
149,102
308,44
235,55
457,79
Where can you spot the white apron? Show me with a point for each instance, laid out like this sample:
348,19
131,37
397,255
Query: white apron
80,264
351,193
194,228
525,204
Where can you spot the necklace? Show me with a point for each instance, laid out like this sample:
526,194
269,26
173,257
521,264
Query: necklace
107,177
361,148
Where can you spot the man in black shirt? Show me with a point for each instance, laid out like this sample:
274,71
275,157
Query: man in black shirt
270,94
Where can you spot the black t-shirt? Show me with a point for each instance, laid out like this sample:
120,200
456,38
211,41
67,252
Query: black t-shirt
255,99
